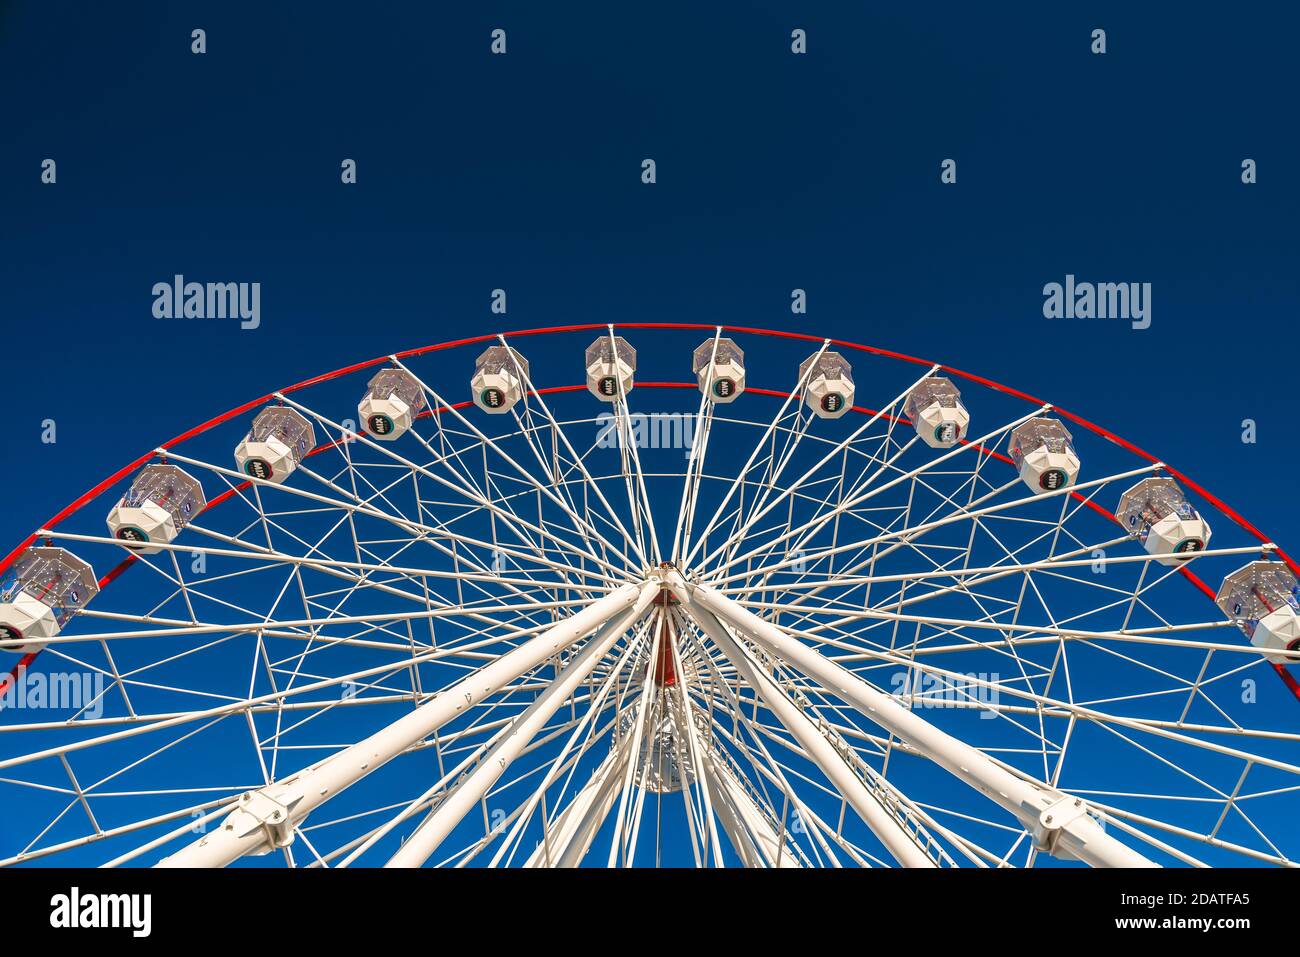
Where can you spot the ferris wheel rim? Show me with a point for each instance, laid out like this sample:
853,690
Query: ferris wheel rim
95,491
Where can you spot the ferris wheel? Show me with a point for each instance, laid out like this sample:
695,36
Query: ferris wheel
649,594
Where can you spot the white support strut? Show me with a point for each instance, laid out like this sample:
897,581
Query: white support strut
895,838
572,831
1058,821
757,843
468,792
266,818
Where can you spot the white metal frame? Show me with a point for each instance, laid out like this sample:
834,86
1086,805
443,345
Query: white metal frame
522,564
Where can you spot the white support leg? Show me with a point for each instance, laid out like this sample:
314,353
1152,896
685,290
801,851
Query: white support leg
1058,821
569,837
435,828
757,842
892,835
265,819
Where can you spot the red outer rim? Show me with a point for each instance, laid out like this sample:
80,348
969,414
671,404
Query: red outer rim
121,473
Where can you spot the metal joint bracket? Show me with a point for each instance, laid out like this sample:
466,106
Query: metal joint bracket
662,575
1055,820
271,814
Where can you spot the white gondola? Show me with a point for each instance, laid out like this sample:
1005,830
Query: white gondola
42,590
161,501
1043,451
720,371
828,389
664,765
937,414
498,381
1156,512
279,439
1262,599
392,401
611,367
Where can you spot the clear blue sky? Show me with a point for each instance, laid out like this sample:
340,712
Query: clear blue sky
522,172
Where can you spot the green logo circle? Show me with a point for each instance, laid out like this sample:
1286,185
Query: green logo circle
1053,479
130,533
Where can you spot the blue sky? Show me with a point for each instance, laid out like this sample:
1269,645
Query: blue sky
523,172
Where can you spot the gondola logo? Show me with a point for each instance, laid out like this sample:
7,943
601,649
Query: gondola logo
1129,301
179,299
